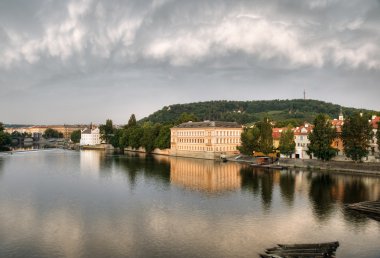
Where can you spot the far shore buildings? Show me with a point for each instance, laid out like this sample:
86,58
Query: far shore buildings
38,130
90,136
208,139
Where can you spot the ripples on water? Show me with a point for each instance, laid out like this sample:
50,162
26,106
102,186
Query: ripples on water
93,204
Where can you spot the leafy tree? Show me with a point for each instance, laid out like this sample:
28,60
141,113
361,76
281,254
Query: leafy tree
117,140
266,138
16,134
249,140
287,143
185,117
150,133
5,138
321,139
132,121
163,139
356,134
134,136
75,136
106,131
52,133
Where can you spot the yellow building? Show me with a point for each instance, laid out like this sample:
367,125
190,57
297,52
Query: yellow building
208,139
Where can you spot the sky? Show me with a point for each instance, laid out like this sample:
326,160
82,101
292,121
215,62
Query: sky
85,61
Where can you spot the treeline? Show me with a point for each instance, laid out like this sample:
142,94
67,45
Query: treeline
143,134
293,112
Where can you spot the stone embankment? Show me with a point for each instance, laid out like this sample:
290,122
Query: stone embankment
339,166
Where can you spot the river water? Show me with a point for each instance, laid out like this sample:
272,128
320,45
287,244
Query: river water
56,203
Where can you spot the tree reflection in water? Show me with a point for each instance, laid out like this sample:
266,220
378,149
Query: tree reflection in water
287,186
320,195
135,164
267,189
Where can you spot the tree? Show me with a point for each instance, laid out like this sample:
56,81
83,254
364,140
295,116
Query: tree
52,133
249,140
287,143
266,138
321,139
75,136
163,139
150,133
106,131
356,134
132,121
5,138
134,136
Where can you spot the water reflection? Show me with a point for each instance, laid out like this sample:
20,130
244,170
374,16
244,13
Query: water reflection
65,213
321,195
204,175
135,164
287,187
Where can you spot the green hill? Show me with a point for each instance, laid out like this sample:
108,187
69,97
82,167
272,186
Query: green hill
295,111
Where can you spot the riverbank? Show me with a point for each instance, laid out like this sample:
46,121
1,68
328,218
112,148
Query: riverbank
372,168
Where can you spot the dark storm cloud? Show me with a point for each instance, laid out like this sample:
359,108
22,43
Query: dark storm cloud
96,59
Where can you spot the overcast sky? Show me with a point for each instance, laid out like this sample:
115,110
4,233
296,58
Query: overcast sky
82,61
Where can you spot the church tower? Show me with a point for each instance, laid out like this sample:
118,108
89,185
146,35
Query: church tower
341,114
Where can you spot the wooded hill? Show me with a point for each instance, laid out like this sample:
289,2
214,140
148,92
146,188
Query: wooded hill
294,111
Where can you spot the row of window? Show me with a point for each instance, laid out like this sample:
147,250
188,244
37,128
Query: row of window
191,140
202,133
222,140
201,148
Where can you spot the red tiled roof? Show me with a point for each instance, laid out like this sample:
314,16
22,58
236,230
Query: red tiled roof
375,122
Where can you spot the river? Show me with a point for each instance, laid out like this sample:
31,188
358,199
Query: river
56,203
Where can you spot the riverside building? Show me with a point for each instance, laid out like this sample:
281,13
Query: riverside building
90,136
208,139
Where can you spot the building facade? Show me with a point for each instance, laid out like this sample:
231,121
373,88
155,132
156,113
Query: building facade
208,139
301,138
374,145
90,136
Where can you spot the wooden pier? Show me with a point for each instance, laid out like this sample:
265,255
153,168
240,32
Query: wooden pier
370,208
318,250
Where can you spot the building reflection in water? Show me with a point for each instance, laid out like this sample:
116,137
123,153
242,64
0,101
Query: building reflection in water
205,175
90,162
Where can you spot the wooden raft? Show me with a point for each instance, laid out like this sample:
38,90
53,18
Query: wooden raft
370,208
318,250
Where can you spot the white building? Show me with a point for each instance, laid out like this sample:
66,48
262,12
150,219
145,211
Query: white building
374,154
90,137
301,138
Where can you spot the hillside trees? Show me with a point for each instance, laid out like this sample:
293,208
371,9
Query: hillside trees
356,134
321,138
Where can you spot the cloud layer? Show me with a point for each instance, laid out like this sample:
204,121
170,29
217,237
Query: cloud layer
186,33
45,42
